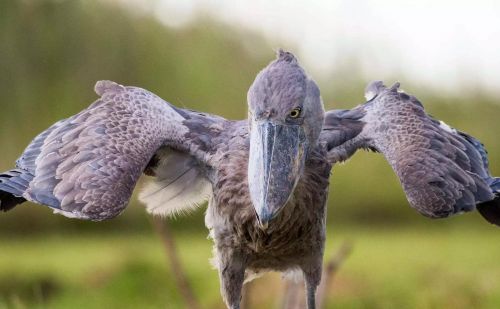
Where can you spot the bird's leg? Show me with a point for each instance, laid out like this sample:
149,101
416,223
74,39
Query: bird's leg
312,276
232,275
311,295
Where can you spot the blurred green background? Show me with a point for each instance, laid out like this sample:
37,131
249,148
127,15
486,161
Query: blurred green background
52,53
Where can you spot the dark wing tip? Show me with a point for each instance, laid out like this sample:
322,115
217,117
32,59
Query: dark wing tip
490,211
103,86
9,201
13,184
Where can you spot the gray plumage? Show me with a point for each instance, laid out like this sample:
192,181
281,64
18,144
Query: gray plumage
443,171
266,178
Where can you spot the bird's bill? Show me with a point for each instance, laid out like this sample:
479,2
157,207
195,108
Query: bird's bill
277,156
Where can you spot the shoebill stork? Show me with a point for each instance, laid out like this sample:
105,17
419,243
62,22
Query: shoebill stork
265,178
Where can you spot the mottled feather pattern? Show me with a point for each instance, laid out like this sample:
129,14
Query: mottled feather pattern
87,166
442,171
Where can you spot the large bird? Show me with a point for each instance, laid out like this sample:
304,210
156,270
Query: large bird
266,177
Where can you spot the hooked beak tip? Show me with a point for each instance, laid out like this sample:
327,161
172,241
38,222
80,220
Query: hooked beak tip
263,225
263,220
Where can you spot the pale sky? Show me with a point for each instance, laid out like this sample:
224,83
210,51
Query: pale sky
433,43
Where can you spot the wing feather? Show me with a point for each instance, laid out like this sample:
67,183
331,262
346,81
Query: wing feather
87,166
443,171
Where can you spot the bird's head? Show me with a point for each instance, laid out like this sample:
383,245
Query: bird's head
286,117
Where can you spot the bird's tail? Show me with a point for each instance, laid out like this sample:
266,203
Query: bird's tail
13,184
491,210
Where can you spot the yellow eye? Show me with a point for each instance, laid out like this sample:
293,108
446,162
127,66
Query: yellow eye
295,113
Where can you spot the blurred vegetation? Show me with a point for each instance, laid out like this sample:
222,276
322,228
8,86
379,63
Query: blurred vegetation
389,268
51,55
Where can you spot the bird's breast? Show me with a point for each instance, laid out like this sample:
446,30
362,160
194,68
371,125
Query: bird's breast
298,228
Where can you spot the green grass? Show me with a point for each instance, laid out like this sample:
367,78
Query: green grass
421,269
389,268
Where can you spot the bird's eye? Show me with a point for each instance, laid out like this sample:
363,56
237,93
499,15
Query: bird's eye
295,113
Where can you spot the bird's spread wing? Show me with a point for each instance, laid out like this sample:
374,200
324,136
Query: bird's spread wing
87,166
443,171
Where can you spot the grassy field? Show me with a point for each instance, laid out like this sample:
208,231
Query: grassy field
389,268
